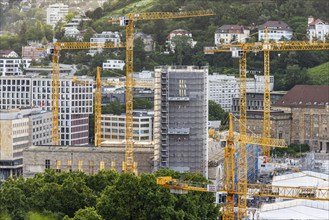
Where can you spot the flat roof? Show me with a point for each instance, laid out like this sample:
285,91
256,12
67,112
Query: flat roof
302,179
295,209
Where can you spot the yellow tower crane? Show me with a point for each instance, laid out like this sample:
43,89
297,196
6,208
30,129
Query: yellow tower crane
129,165
58,46
252,189
98,105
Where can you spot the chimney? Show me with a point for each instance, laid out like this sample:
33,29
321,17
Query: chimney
310,20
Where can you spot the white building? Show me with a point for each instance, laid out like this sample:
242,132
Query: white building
317,29
179,33
75,103
114,64
105,36
55,13
149,43
11,64
294,209
114,127
73,32
75,22
276,31
21,129
222,89
228,33
256,84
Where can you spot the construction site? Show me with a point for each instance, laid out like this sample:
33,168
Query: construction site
246,180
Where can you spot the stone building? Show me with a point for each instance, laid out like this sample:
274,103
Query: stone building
281,124
309,107
87,159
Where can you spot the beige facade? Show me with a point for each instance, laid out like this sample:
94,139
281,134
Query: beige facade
86,159
310,126
281,124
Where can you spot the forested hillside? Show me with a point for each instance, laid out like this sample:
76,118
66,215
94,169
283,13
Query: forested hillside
289,68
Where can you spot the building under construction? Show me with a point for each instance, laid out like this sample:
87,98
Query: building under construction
180,120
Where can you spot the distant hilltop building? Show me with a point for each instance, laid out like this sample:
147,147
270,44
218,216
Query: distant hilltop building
55,13
11,64
105,36
276,31
229,33
317,29
147,40
179,33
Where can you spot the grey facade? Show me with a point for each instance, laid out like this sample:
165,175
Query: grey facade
255,101
181,116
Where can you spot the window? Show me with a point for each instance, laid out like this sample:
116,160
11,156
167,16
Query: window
182,87
91,167
58,166
80,163
101,165
47,164
69,166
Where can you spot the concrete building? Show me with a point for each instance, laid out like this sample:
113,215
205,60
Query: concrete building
255,101
55,13
114,64
86,159
73,32
75,103
317,29
276,31
19,129
105,36
114,127
229,33
11,64
181,117
223,89
309,107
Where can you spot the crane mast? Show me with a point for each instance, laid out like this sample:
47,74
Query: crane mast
58,46
129,165
98,107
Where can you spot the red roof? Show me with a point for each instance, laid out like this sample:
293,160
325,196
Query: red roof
305,96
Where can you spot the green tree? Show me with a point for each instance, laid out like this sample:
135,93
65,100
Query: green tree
216,112
87,213
114,108
140,103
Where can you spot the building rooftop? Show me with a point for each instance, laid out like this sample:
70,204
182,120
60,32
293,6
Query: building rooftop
228,28
302,179
295,209
305,96
278,25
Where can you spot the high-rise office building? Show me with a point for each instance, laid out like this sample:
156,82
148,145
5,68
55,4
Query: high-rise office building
180,118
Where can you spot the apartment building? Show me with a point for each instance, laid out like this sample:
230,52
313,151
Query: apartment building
114,127
179,33
181,118
11,64
105,36
223,88
55,13
114,65
75,103
317,29
19,130
229,33
276,31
